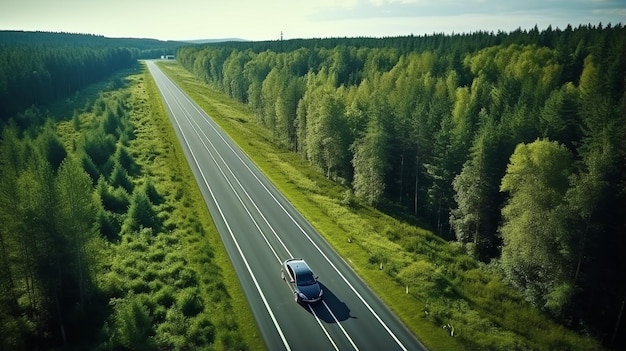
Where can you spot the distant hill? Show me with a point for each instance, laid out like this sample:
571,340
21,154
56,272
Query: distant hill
142,48
206,41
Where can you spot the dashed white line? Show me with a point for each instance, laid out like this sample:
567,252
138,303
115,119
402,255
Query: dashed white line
256,283
267,242
382,323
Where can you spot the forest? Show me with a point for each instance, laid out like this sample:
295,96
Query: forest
511,144
37,68
507,145
96,250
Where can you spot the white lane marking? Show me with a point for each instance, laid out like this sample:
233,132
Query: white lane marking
199,131
259,229
340,326
256,283
384,325
324,329
243,189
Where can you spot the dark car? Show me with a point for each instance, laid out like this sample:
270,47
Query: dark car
301,280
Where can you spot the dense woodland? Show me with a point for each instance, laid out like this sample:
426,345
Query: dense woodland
37,68
81,264
509,143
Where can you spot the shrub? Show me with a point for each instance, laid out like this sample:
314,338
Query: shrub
132,324
152,193
108,224
171,333
419,277
90,167
187,279
112,285
201,332
139,285
115,200
141,213
126,160
349,199
189,302
99,147
110,122
120,178
165,296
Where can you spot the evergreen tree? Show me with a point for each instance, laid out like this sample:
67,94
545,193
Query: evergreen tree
51,146
370,163
141,213
77,219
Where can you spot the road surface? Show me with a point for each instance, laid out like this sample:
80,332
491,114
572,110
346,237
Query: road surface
260,229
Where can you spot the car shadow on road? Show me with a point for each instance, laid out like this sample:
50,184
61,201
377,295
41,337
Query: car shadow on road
338,308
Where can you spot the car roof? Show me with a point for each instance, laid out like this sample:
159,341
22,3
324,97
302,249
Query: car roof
298,265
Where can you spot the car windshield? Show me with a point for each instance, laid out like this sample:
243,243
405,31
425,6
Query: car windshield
305,278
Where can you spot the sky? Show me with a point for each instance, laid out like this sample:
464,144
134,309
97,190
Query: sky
266,19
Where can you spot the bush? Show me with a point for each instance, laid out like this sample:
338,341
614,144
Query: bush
120,178
171,333
125,159
112,285
132,324
201,332
189,302
152,193
349,199
108,224
90,167
187,279
99,147
141,214
165,296
115,200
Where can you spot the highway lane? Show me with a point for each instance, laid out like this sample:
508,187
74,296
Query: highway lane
260,229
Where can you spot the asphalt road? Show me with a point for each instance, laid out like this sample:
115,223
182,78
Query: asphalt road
260,229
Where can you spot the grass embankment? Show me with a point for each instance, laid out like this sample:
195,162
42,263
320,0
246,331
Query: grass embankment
449,300
178,277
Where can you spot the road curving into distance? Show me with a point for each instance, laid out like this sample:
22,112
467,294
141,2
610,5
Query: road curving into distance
260,229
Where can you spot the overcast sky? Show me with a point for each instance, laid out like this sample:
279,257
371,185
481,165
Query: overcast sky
266,19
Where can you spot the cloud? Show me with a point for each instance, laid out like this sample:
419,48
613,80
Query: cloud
266,19
380,3
366,9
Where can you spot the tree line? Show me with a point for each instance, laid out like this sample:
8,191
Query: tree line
37,68
509,143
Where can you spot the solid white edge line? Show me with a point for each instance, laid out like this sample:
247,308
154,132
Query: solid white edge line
395,338
280,332
199,130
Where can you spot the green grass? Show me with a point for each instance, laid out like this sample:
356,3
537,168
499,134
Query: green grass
181,274
453,302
